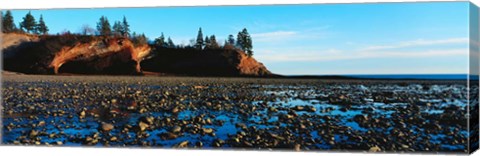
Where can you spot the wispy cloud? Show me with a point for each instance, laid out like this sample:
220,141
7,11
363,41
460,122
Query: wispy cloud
339,55
279,36
410,49
415,43
273,36
282,36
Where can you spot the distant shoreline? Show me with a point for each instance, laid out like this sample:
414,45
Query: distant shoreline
290,77
391,76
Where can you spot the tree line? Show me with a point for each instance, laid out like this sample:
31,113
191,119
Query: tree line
28,25
122,28
118,29
243,40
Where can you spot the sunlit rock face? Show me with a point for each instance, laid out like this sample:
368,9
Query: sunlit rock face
76,55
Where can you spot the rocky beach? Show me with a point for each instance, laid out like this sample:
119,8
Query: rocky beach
235,113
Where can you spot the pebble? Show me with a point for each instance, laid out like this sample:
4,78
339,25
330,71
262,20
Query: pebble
261,114
375,149
107,127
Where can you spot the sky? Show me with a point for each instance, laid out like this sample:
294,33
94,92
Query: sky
321,39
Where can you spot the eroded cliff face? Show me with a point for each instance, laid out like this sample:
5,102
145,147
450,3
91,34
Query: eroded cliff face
75,54
101,55
251,67
14,39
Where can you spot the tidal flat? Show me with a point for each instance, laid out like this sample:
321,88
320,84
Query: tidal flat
235,113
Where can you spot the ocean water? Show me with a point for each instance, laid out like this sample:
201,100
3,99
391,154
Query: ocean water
418,76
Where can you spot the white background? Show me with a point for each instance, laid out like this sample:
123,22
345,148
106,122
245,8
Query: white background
64,151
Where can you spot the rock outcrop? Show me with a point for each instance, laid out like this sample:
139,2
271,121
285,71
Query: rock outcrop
74,54
212,62
77,54
14,39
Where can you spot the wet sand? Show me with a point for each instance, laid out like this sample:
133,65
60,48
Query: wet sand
235,113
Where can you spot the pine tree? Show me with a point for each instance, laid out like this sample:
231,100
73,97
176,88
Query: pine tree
103,27
125,27
247,43
231,40
240,41
133,35
170,43
244,41
144,39
117,29
41,26
8,24
199,44
160,41
213,42
139,39
28,23
207,43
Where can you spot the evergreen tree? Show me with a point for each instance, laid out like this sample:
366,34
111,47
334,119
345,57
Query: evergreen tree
244,41
160,41
248,46
125,27
139,39
134,34
231,40
247,43
240,42
213,42
170,43
41,26
28,23
8,24
117,29
103,27
207,43
199,44
144,39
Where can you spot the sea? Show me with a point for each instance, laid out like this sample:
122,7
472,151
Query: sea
417,76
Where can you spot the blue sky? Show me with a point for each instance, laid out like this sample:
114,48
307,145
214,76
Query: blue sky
383,38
